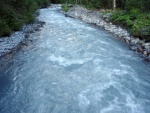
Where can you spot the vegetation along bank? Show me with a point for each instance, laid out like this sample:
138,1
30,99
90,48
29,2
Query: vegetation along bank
15,13
128,20
18,15
133,15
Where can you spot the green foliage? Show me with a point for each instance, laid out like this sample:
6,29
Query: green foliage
142,5
67,1
14,13
4,28
134,20
43,3
65,7
106,3
106,11
93,4
141,23
122,18
135,17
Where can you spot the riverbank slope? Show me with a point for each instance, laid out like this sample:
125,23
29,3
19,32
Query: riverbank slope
96,17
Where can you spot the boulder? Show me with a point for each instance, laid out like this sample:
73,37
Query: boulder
133,48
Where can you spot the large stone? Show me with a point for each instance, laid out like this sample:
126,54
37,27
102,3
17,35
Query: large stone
133,48
134,41
127,38
107,17
147,45
147,58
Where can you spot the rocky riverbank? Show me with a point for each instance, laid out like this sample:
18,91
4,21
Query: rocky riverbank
96,17
9,45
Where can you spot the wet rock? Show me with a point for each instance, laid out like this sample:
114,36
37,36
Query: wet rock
133,48
95,17
127,38
147,58
127,41
135,41
146,53
147,45
100,20
140,49
17,39
106,17
26,35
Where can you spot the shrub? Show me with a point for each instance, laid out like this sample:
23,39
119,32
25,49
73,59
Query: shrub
5,30
65,7
135,21
43,3
14,13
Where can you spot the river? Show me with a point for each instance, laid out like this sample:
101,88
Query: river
74,67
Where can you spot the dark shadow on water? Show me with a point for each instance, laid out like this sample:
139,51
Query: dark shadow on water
5,80
5,83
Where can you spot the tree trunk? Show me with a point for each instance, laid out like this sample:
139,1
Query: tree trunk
114,5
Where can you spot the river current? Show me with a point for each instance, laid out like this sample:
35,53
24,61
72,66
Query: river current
74,67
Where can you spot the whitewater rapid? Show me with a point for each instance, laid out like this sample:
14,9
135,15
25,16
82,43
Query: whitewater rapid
74,67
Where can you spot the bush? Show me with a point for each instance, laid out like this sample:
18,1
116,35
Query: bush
43,3
14,13
65,7
136,22
142,5
4,28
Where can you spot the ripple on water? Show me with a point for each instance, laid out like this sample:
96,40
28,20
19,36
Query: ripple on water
66,62
74,67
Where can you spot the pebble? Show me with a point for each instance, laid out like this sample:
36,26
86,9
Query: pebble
103,21
9,44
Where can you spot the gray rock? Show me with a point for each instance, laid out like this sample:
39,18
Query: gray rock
100,20
133,48
146,53
147,58
107,17
134,41
12,43
147,44
127,38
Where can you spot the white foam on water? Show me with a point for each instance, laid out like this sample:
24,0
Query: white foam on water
119,72
84,102
103,82
132,103
96,90
67,62
110,109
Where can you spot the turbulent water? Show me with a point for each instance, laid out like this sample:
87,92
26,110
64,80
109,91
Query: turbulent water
74,67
